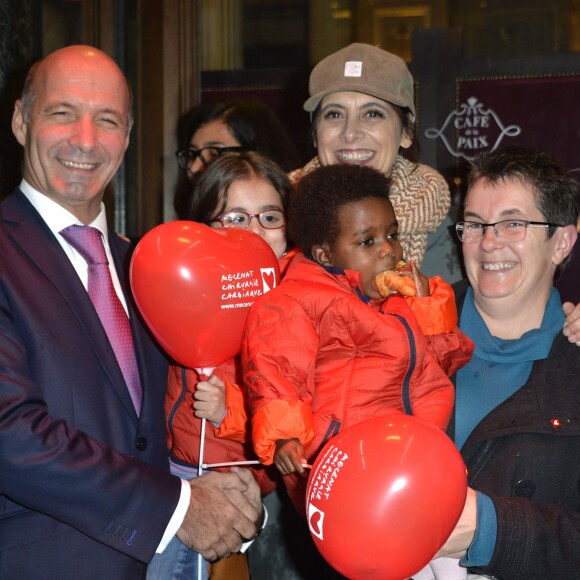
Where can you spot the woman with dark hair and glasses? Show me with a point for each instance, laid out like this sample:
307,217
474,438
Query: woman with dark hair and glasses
248,191
231,127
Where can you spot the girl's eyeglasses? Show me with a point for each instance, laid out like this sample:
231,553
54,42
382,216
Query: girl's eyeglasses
271,219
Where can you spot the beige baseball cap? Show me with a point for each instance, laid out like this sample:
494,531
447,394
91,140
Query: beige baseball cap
365,69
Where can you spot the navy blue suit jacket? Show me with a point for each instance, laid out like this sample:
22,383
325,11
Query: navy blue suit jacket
85,490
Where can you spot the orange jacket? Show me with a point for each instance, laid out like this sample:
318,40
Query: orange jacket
319,356
184,429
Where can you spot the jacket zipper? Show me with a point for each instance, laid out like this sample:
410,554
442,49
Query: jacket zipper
332,430
177,403
406,390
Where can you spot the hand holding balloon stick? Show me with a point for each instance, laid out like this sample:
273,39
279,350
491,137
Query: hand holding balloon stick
289,456
194,286
204,374
210,404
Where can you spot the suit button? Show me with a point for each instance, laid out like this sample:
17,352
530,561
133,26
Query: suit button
525,488
141,443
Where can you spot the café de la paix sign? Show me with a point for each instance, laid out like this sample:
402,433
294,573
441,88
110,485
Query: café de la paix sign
471,129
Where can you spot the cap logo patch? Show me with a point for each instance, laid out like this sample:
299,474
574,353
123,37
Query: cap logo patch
353,68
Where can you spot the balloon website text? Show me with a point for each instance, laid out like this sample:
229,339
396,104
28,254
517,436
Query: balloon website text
237,305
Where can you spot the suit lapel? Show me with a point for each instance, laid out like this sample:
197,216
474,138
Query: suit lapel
33,236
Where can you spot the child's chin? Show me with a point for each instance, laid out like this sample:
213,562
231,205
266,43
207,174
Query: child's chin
372,293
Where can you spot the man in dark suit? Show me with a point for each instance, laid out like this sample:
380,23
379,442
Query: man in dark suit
85,490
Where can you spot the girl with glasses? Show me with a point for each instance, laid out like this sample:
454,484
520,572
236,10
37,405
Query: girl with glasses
247,191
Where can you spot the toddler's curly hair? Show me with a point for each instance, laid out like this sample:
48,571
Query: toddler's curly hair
315,205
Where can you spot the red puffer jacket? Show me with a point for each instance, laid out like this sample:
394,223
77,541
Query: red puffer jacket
318,356
184,429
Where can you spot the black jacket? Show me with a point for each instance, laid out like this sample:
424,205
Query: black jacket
526,456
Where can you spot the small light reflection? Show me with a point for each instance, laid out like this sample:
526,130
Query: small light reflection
555,422
185,273
399,484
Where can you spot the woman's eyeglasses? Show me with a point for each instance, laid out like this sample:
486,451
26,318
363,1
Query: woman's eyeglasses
207,155
507,230
271,219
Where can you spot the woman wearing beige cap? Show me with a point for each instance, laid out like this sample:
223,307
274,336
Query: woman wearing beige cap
362,109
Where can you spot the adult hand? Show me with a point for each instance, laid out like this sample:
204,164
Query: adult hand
252,495
210,399
464,532
572,322
289,456
220,515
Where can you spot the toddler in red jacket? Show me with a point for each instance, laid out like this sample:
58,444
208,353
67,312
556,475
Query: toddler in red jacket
324,350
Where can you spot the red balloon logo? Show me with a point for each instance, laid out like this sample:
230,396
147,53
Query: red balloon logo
383,496
194,286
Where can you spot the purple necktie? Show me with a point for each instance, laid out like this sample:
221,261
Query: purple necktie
89,244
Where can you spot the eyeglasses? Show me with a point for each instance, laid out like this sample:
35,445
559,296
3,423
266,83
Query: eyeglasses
507,230
272,219
207,155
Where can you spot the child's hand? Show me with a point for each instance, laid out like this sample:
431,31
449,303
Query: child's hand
210,399
395,281
421,281
289,456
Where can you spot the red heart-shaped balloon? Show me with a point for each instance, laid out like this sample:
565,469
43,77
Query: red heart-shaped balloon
194,286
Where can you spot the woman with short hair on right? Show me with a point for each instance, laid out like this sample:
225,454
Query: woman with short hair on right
517,409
